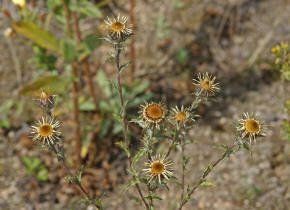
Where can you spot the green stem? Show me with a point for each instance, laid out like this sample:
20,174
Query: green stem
124,124
205,174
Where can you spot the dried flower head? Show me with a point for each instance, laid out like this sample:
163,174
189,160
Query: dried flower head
180,116
205,84
46,100
152,114
251,126
158,166
118,28
20,3
46,131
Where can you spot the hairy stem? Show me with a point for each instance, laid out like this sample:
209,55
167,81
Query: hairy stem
125,126
175,137
205,174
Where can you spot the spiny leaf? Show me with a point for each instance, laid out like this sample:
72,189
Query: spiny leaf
37,35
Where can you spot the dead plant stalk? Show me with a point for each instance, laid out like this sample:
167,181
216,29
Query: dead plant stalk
78,143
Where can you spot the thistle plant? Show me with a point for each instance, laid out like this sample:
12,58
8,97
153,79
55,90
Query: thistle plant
151,169
46,133
159,124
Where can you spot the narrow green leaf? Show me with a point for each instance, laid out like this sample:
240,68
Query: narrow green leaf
124,66
121,144
137,156
79,176
54,84
222,146
132,183
207,183
37,35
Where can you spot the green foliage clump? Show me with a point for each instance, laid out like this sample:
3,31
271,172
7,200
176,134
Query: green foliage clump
35,168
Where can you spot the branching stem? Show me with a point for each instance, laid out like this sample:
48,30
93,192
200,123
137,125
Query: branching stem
69,172
205,174
123,111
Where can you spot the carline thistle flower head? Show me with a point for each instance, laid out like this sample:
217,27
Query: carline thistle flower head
158,168
152,114
180,115
46,131
118,28
250,126
205,84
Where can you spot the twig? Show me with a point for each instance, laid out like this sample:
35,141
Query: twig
225,154
78,144
15,61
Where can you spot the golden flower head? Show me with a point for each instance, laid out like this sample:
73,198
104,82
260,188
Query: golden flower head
180,116
20,3
46,131
152,114
251,126
118,28
158,167
205,84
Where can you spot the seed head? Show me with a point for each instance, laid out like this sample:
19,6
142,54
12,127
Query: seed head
118,29
158,168
152,114
205,84
181,115
251,126
46,131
